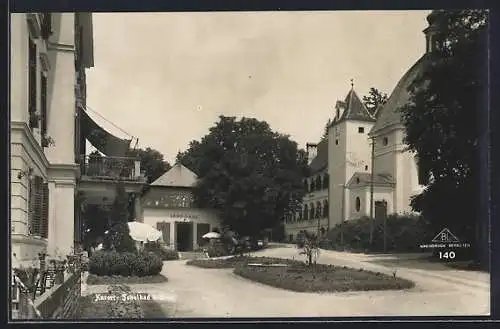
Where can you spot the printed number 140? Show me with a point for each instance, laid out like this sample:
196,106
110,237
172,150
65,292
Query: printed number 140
447,255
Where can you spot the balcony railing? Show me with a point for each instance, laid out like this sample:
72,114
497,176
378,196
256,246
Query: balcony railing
111,168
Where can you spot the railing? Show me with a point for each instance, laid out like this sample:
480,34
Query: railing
108,168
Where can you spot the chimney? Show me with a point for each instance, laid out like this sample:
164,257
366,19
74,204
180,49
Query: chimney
312,151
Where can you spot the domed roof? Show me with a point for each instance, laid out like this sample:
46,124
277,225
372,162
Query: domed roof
389,114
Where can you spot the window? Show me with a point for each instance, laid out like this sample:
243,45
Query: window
311,212
366,168
318,210
361,130
38,207
313,186
357,180
318,183
306,212
338,113
32,71
325,209
358,203
326,179
385,141
336,142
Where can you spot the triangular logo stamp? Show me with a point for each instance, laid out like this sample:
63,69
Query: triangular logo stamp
445,236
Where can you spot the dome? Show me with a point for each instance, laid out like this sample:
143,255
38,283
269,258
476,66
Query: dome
390,114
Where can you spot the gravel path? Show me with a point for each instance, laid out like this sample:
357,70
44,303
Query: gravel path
196,292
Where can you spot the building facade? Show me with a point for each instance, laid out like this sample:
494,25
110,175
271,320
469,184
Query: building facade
49,55
366,153
168,206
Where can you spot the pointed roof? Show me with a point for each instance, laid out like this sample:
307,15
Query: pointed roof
355,109
177,176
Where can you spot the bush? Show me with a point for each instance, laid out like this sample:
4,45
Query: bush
163,252
217,250
405,233
108,263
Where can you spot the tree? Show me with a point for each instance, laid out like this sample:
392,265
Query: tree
250,174
374,99
325,132
152,162
118,237
442,125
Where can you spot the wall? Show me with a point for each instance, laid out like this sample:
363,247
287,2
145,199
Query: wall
26,150
152,216
336,170
358,148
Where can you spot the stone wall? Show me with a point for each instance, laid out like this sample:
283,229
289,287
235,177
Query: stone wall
59,302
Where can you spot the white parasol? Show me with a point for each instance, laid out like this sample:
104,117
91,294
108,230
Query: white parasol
143,232
211,235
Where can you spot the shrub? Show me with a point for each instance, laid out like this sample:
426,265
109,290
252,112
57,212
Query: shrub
163,252
404,233
107,263
309,245
217,250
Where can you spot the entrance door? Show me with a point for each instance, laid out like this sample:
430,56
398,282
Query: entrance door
184,235
380,209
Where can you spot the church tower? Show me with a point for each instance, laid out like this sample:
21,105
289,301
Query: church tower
349,151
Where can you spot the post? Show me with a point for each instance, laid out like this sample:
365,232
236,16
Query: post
371,190
385,234
343,217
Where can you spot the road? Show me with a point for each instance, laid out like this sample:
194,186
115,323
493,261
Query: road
440,291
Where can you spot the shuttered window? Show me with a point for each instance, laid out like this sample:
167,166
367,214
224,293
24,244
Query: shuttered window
43,105
32,76
38,207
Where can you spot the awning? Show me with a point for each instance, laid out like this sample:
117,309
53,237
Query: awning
102,140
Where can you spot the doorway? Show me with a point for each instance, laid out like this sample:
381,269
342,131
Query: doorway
184,236
380,209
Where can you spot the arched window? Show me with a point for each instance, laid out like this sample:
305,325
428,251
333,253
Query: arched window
300,216
326,181
313,185
306,185
306,212
358,203
311,211
318,210
325,209
318,182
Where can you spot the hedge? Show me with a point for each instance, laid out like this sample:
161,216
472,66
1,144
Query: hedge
107,263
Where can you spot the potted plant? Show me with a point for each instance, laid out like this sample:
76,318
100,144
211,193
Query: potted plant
34,120
47,141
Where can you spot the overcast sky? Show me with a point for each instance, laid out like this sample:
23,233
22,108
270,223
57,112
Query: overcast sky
166,77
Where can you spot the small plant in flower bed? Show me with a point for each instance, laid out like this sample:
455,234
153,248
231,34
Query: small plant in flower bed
162,251
298,276
109,263
235,261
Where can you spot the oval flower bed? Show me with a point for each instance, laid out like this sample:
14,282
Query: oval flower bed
235,261
319,278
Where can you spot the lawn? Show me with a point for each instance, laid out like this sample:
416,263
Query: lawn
232,261
296,276
116,279
321,278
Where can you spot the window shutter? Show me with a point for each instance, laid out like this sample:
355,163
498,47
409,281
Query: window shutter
31,206
37,206
44,229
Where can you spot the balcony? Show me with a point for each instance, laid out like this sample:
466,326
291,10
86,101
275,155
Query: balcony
99,174
103,168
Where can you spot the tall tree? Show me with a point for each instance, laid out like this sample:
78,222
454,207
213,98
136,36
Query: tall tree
152,162
118,237
325,132
374,99
443,122
251,174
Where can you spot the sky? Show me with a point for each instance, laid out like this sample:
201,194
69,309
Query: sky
166,77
